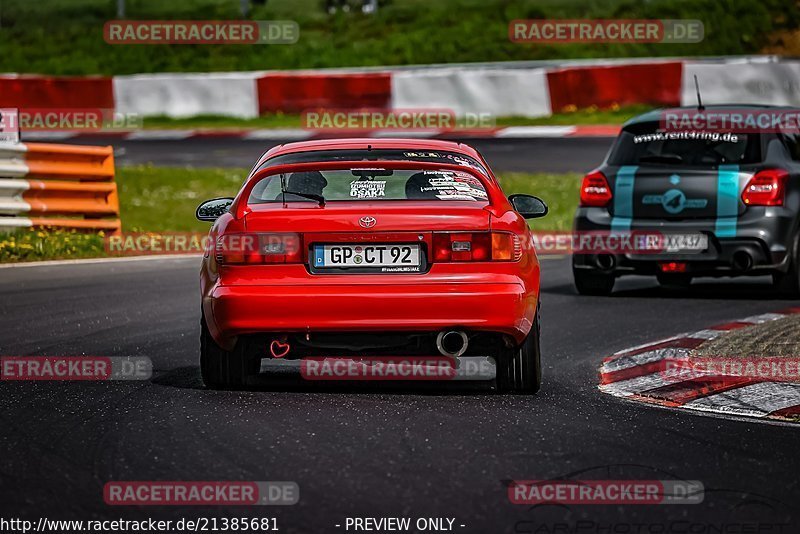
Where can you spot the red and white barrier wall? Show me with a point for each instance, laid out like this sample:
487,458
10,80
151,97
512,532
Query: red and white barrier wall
499,92
531,89
187,95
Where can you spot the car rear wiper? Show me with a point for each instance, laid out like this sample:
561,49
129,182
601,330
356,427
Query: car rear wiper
664,158
311,196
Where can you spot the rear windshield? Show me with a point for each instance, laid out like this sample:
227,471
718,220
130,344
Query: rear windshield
646,144
369,184
429,156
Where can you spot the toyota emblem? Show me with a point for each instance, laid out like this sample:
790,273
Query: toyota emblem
367,222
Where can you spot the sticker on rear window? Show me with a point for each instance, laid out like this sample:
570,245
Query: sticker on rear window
458,160
454,186
368,188
690,135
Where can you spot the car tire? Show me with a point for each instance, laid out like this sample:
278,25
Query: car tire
593,283
788,284
522,369
221,369
674,281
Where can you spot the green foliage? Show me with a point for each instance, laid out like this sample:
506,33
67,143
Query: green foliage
49,244
164,199
66,36
560,192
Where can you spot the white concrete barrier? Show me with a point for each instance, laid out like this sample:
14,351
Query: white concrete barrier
742,82
186,95
500,92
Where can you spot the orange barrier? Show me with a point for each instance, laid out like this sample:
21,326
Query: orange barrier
91,199
74,183
71,162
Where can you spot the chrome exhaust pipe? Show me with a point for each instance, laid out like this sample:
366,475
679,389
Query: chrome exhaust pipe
452,343
606,262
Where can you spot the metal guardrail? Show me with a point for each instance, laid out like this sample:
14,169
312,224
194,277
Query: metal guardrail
61,186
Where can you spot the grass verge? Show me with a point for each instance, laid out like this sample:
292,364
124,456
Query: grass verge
592,115
164,199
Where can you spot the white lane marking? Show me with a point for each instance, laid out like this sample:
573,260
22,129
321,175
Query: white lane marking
706,334
756,400
763,318
53,263
639,384
535,131
54,135
627,362
646,345
278,134
159,135
423,134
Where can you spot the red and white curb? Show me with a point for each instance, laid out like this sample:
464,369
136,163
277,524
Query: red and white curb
638,374
299,134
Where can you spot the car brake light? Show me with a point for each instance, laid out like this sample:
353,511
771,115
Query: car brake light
478,246
232,249
766,188
595,191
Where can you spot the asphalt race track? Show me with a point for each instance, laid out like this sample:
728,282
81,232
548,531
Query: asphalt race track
529,155
368,452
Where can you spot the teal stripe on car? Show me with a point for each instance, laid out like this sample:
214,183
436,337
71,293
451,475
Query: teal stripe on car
727,200
623,198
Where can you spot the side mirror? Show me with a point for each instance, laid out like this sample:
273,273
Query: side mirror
211,210
529,206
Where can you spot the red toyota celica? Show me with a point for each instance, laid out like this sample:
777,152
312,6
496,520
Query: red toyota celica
371,250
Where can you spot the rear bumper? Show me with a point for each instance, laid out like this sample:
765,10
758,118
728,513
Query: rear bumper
764,234
505,308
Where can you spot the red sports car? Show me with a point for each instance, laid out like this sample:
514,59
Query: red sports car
371,248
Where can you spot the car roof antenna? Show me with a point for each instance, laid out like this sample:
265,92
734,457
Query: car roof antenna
700,106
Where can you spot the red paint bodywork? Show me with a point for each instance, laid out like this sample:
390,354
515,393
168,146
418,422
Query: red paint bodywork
478,296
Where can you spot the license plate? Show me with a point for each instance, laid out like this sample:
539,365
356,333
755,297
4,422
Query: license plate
672,243
400,257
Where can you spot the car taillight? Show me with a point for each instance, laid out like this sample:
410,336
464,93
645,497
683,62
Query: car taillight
766,188
595,191
673,267
236,249
477,246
